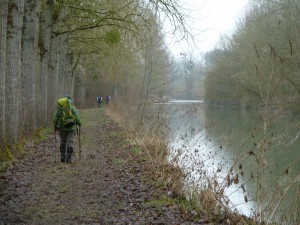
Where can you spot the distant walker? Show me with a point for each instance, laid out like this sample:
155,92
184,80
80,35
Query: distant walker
99,100
107,99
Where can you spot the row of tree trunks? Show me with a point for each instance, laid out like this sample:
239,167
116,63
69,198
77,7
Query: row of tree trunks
35,67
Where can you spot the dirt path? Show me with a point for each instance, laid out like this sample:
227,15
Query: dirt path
104,187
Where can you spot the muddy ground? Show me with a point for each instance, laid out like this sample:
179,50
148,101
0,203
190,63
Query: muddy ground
107,186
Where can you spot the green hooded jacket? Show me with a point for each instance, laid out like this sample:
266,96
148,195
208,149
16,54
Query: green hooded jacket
57,120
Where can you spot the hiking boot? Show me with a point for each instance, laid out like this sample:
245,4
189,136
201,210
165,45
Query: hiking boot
69,154
62,152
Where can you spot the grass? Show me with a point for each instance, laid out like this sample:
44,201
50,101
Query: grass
9,153
13,151
119,161
42,133
136,150
163,201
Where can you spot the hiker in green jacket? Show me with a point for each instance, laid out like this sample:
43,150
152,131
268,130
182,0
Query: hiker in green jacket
66,120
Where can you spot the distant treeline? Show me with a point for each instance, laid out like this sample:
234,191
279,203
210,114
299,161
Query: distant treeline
259,65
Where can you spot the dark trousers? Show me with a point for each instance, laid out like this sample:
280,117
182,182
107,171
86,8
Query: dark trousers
66,144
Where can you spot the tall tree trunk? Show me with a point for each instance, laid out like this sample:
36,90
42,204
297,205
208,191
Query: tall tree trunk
79,86
30,65
60,62
53,73
62,77
3,31
45,41
65,75
56,83
65,70
13,68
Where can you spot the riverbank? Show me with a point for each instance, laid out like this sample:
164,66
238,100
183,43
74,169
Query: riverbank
113,183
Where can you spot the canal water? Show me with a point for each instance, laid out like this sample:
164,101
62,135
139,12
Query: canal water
251,156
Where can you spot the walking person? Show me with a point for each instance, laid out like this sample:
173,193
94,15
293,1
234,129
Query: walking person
65,121
99,100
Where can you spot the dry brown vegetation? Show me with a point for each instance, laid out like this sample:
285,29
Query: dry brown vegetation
208,190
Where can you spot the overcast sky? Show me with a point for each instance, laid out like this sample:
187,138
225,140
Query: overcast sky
212,18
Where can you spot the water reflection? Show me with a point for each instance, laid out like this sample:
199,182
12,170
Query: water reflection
250,158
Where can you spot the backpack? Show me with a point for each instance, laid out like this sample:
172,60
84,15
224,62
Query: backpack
67,117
